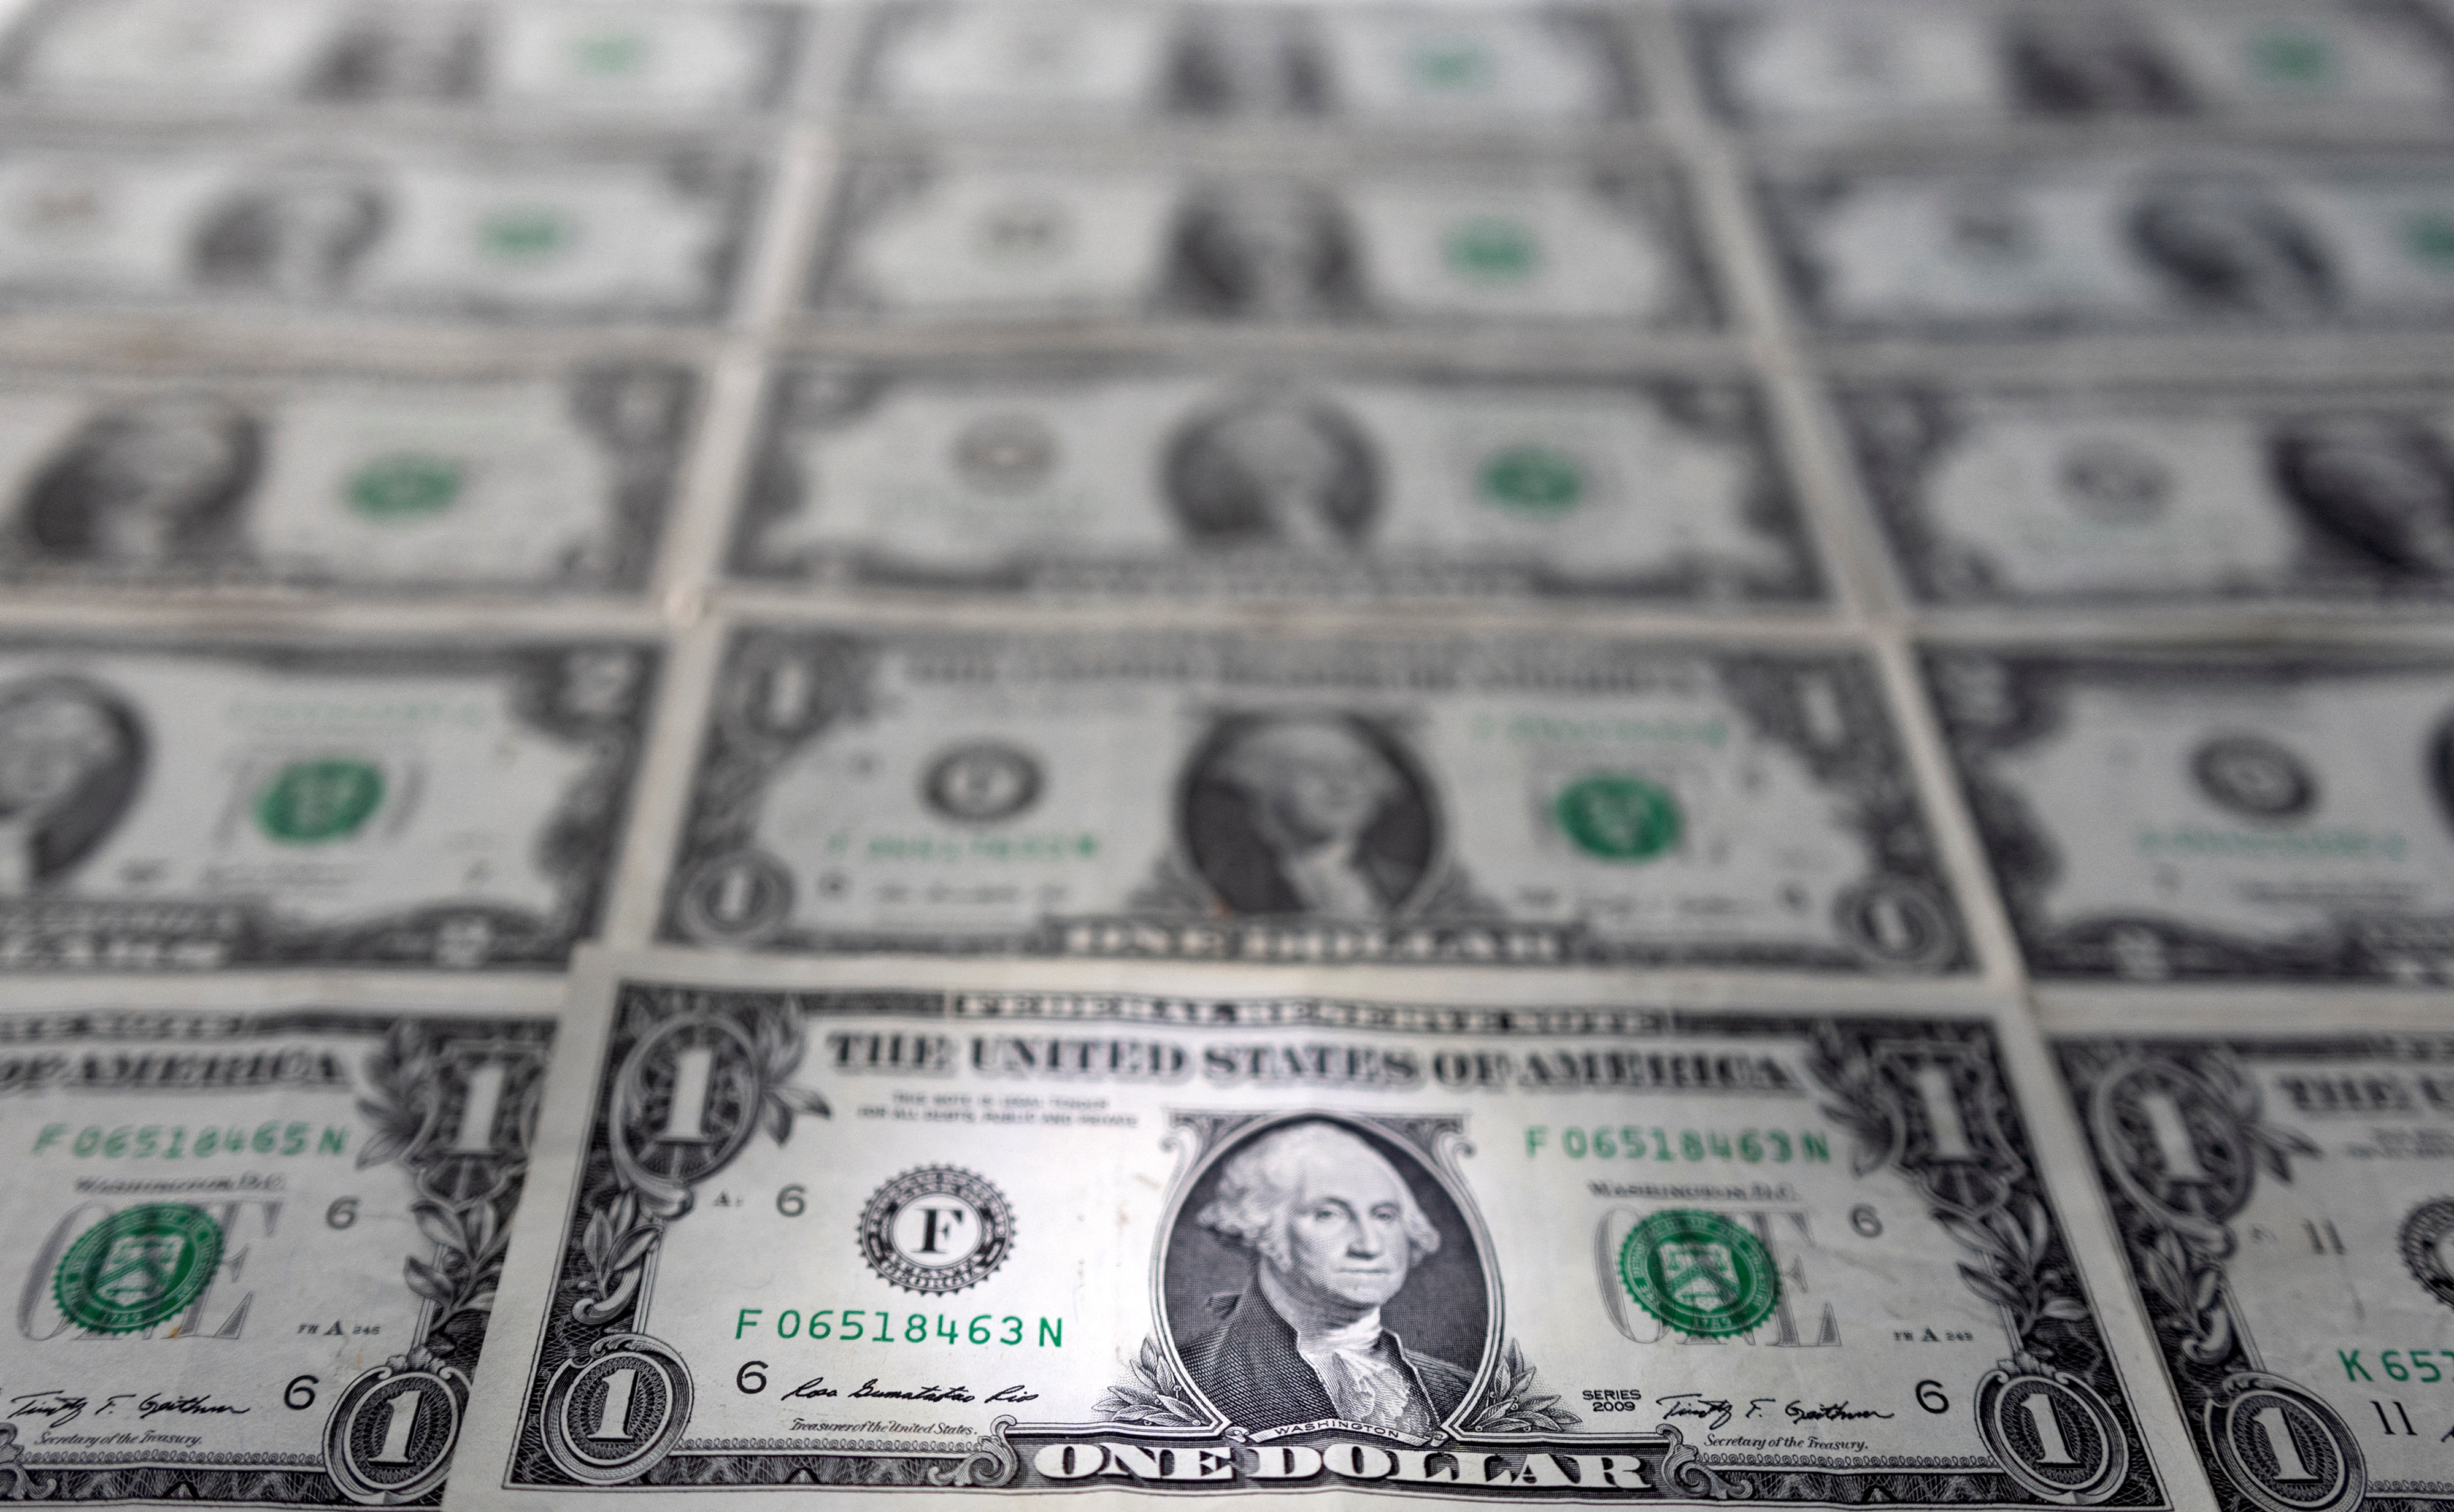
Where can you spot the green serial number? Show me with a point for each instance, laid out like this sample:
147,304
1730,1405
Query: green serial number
855,1326
2399,1365
1630,1141
155,1141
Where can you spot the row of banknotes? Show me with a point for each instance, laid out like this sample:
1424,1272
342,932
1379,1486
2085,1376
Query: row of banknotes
933,1235
1072,63
1037,477
410,803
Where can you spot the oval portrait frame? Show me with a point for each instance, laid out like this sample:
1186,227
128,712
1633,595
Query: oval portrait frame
1434,1164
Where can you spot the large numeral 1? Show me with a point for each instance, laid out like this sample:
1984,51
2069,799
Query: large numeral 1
2288,1463
686,1117
2173,1141
614,1419
2048,1424
1933,1085
397,1428
475,1134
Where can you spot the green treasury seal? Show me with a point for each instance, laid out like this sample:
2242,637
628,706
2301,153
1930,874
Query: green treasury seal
137,1267
1699,1273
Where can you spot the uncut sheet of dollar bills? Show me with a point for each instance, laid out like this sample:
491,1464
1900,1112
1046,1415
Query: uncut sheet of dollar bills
765,755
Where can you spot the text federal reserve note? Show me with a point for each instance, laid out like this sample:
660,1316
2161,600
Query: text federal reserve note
1141,480
1411,66
189,805
1051,1243
1365,801
250,1252
2011,492
135,59
2184,240
550,480
2283,1199
1918,62
940,238
2213,814
246,226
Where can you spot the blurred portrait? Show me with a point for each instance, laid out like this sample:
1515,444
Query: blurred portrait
1313,814
2087,60
299,235
1326,1246
1262,249
150,483
71,756
2380,486
1236,61
2227,246
1274,471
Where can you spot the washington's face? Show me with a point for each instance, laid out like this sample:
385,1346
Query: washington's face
151,471
46,750
1345,1230
1284,454
2386,483
1325,784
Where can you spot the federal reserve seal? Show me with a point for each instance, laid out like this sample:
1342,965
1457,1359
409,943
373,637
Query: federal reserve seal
1699,1273
936,1229
2423,1238
138,1268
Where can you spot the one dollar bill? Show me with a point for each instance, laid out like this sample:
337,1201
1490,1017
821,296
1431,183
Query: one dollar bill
1912,62
193,805
1365,801
789,1240
134,58
2219,814
431,232
2177,241
1164,480
250,1245
2131,493
937,239
320,480
2280,1195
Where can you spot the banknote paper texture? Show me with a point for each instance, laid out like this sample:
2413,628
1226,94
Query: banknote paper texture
2211,815
133,57
193,806
2281,1198
935,238
1362,65
254,228
2172,241
1045,1241
251,1251
1905,63
556,480
2018,494
1164,796
1135,478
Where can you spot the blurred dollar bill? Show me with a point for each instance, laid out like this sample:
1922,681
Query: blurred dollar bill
190,805
252,1242
940,240
261,227
1360,800
2000,493
1916,62
1411,66
558,480
2121,243
2281,1198
2240,814
1141,478
140,57
1192,1240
